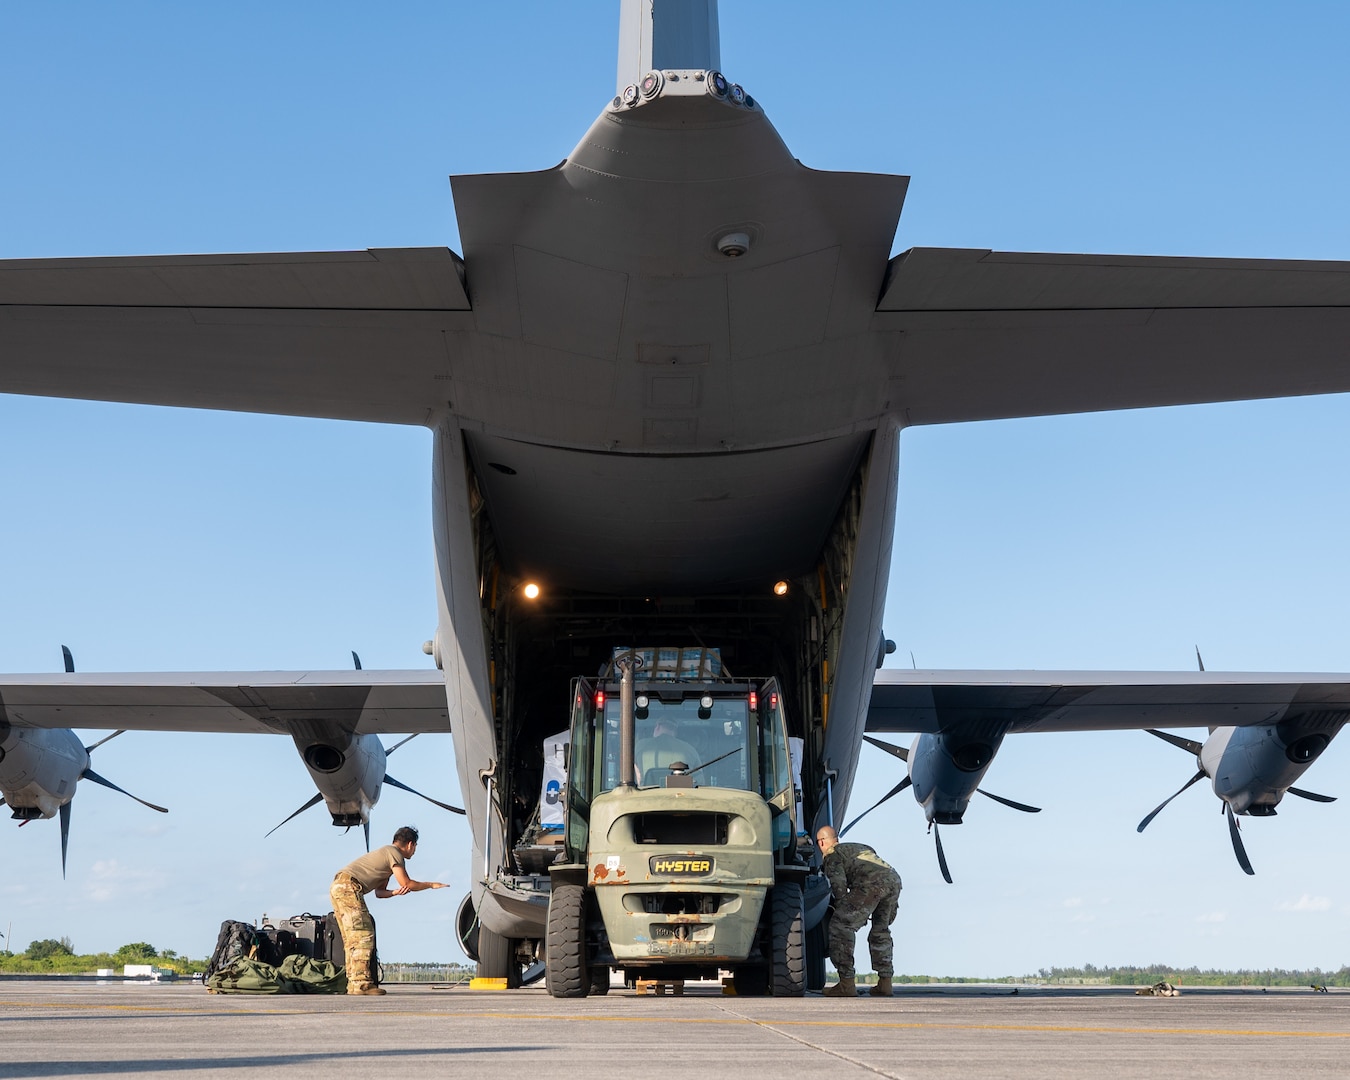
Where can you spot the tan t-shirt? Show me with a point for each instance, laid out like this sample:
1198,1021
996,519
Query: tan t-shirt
374,869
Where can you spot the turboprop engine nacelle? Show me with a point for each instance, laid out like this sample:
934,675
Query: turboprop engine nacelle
348,771
39,768
1252,767
946,769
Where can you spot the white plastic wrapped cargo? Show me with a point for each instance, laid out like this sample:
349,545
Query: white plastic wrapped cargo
555,780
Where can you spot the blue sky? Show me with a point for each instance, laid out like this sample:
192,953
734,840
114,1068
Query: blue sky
151,539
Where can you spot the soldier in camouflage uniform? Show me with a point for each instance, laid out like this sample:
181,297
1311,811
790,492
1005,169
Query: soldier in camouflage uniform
864,886
371,874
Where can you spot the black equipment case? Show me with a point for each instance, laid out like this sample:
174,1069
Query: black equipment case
315,936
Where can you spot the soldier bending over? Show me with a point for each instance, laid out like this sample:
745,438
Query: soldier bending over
864,886
370,874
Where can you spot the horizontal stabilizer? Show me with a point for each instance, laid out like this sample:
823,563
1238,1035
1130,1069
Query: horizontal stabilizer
997,334
355,335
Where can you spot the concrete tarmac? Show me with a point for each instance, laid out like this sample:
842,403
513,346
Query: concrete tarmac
50,1029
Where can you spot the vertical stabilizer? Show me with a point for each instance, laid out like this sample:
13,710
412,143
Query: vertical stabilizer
665,34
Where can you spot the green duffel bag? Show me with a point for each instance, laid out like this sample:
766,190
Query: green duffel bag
245,976
312,976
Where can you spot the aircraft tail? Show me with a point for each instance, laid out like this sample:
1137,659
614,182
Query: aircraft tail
671,34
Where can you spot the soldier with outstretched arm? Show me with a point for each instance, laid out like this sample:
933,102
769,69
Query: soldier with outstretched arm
864,887
371,873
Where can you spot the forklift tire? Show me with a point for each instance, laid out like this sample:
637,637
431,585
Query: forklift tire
817,940
497,958
565,943
788,943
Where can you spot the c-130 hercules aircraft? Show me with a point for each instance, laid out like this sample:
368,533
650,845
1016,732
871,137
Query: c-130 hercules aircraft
759,355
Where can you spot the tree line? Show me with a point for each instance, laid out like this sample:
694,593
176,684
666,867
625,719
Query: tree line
1092,975
58,956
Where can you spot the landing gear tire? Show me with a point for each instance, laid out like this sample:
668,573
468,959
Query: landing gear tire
787,922
565,943
466,927
497,958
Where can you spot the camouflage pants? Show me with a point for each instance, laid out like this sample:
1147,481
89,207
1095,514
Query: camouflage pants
358,931
878,902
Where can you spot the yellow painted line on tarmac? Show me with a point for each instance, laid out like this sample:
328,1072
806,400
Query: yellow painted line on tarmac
886,1025
158,1010
921,1026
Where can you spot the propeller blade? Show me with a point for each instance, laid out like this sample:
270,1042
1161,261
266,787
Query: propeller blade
356,660
65,836
1238,849
69,660
365,825
1311,795
894,791
890,748
1008,802
312,802
1200,775
396,745
89,774
404,787
106,738
942,858
1176,740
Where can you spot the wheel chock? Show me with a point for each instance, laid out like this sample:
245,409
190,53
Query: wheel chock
487,984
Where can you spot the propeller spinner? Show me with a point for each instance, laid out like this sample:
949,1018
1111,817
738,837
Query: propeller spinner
903,754
1223,735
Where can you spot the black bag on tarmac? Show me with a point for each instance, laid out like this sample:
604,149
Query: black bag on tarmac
333,950
275,944
310,935
236,939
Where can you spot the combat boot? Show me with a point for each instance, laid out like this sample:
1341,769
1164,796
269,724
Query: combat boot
883,987
847,986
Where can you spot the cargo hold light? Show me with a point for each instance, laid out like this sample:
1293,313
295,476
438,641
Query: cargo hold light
780,588
531,591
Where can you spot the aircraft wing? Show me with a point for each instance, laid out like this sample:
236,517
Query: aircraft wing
268,702
355,335
934,701
992,334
